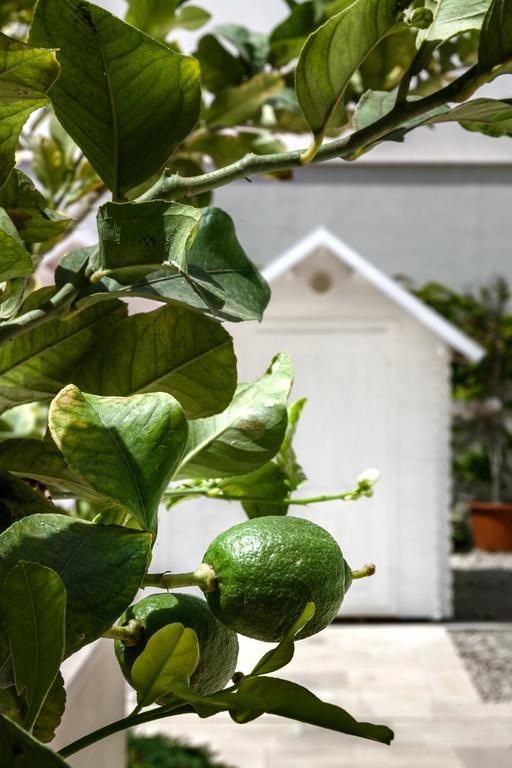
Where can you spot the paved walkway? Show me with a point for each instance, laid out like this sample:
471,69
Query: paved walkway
408,677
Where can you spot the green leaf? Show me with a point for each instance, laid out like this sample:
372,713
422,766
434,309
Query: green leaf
494,118
17,500
496,35
34,600
268,485
237,104
19,750
331,56
51,712
156,17
12,298
283,653
253,47
26,74
454,17
216,261
26,207
171,651
247,434
15,261
146,97
286,699
101,567
35,365
286,457
258,695
50,716
219,68
127,448
42,461
136,238
171,349
217,252
288,37
191,17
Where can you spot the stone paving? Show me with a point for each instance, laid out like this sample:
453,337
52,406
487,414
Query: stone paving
406,676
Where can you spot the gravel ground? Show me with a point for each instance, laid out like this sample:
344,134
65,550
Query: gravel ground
482,586
487,655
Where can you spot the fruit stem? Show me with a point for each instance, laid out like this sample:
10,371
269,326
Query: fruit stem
130,634
203,577
366,570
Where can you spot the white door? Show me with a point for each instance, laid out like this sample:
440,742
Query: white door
346,371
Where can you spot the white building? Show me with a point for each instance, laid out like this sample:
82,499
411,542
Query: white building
374,363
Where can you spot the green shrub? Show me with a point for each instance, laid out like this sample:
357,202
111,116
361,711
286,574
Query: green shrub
162,752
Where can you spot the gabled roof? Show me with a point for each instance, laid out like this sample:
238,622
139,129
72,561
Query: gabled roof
322,238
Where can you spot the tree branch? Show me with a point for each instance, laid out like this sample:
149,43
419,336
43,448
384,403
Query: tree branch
347,148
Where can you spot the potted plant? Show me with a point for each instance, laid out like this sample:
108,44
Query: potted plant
482,435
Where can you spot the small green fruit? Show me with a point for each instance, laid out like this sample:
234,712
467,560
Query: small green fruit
268,568
218,645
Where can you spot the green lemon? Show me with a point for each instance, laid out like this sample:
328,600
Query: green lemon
268,568
218,645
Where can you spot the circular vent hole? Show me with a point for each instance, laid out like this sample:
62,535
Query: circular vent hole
321,282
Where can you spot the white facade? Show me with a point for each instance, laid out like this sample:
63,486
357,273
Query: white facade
374,364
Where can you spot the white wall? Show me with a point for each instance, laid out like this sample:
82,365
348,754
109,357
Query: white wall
384,404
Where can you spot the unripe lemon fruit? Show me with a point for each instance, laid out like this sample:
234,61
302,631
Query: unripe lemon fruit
267,569
218,645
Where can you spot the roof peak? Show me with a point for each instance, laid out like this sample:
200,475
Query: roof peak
321,237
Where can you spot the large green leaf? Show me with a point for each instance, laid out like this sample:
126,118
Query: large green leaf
496,35
258,695
333,53
26,207
136,238
43,462
26,74
34,602
247,434
35,365
15,261
453,17
127,448
126,99
101,567
237,104
286,699
17,500
171,349
215,261
172,650
19,750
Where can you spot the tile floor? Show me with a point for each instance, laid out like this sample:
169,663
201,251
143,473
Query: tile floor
406,676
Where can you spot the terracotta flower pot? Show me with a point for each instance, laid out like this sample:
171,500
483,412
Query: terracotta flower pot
492,525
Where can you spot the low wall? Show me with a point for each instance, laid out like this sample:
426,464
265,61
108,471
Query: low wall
95,696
